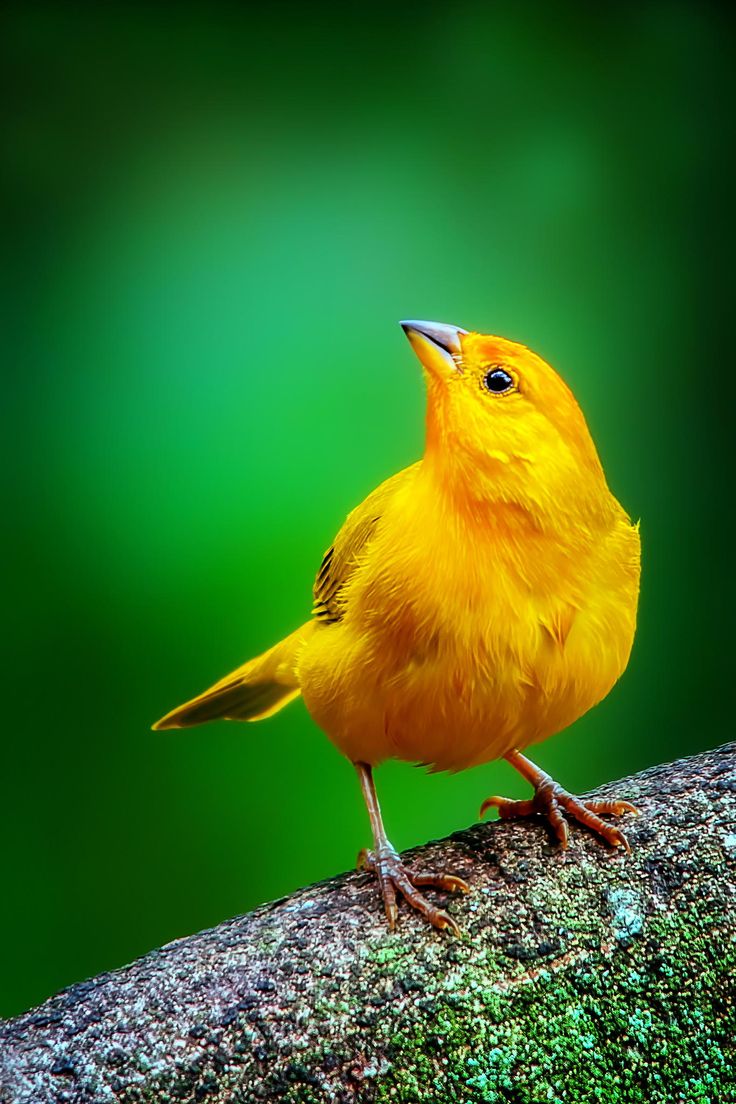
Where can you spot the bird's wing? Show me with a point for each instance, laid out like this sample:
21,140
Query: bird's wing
343,555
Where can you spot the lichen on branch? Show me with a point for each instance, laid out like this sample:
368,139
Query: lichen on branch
583,976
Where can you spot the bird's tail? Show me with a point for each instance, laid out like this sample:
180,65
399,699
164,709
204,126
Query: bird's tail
259,688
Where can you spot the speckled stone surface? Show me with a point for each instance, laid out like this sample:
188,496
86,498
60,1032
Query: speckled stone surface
580,977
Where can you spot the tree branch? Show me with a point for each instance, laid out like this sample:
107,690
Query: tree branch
583,976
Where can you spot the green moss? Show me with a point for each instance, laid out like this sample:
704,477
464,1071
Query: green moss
621,1029
582,978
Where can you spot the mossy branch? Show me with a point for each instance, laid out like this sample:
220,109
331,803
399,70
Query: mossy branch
584,976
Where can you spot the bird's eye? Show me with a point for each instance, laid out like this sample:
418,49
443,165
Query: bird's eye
497,380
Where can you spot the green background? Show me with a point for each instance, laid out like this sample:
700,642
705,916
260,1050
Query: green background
215,221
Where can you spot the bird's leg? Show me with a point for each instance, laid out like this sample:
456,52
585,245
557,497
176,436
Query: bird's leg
393,876
550,800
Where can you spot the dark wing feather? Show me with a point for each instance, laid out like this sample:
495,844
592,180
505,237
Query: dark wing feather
343,556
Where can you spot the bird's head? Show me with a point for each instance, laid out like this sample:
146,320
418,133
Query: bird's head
502,425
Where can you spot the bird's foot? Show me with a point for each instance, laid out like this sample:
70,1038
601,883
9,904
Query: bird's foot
550,800
393,876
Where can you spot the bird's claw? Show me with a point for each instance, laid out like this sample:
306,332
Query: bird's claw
550,800
393,876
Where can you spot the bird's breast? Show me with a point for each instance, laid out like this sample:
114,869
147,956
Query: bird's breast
452,652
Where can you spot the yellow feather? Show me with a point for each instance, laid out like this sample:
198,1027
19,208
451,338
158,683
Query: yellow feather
478,601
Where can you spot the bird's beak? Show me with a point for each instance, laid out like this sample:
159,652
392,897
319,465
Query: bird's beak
437,345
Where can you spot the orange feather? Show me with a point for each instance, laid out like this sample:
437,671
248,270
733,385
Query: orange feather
477,602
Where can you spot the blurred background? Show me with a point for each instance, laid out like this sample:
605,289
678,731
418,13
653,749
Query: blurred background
214,221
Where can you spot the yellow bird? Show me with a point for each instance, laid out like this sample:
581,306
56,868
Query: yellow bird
475,603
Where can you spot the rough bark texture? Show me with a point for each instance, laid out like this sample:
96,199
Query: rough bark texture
584,976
